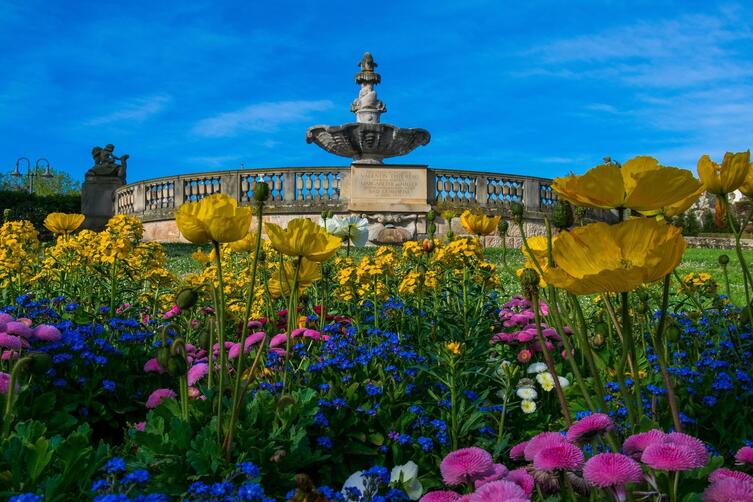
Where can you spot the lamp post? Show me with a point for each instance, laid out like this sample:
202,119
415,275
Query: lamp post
32,173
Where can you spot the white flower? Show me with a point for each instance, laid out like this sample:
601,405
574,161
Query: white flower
406,475
351,227
545,380
527,406
564,382
503,367
527,393
356,480
536,368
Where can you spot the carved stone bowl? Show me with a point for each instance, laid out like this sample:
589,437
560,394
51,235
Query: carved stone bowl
367,143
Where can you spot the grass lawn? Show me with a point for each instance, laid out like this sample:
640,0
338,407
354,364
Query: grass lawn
695,259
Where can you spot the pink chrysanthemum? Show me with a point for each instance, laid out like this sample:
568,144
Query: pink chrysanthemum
587,427
541,441
197,372
498,490
156,397
728,490
561,457
153,366
670,457
635,444
464,498
47,333
517,452
4,381
10,342
723,473
522,478
440,496
500,471
695,445
465,465
612,469
744,455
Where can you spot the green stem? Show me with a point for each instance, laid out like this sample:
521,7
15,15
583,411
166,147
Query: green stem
549,361
629,344
220,313
292,314
586,347
237,395
10,396
661,355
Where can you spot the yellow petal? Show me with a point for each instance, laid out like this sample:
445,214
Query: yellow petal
600,187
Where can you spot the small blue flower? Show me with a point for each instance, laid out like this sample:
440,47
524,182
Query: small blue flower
114,465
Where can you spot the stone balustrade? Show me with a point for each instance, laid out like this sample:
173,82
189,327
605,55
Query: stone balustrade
393,198
312,190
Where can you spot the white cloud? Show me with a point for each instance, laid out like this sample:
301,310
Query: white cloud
263,117
135,110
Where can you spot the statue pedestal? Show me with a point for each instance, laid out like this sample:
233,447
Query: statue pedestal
383,189
97,200
394,199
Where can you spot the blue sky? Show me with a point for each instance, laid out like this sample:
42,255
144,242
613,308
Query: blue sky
537,87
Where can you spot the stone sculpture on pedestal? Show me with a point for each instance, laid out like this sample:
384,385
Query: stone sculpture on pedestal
100,182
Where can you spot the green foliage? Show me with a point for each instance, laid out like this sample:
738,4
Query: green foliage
19,205
60,183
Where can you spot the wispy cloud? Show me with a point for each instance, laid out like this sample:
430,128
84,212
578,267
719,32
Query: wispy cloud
135,110
671,53
262,117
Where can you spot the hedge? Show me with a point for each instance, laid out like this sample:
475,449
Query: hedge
18,205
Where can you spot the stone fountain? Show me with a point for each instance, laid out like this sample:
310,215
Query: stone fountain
367,140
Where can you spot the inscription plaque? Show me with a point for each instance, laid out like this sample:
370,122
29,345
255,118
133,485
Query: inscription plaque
388,189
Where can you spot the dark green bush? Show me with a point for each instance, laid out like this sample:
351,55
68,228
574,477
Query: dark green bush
18,205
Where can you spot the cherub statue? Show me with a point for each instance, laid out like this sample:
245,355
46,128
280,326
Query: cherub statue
105,163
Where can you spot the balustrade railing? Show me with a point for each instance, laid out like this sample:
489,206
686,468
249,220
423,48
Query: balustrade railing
313,189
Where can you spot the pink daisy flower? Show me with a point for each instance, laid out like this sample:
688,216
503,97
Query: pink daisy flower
499,491
156,397
197,372
4,382
670,457
728,490
522,478
465,465
561,457
277,340
18,329
612,469
500,471
47,333
152,366
140,426
744,455
10,342
635,444
723,473
541,441
440,496
464,498
517,451
588,427
695,445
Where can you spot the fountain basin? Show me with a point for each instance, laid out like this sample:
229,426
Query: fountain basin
367,143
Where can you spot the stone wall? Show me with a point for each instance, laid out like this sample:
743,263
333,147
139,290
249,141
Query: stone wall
717,242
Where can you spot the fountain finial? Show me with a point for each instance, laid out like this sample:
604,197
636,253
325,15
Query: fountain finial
367,106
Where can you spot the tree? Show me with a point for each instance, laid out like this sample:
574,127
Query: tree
60,183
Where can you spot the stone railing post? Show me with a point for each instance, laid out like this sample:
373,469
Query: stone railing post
532,195
481,193
431,187
139,198
179,187
288,183
231,185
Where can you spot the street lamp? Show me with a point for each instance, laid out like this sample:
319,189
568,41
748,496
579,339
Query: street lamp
32,173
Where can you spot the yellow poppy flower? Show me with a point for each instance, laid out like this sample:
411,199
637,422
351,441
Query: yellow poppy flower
245,245
309,273
63,223
479,224
614,258
678,207
747,187
640,184
454,348
304,238
727,177
215,218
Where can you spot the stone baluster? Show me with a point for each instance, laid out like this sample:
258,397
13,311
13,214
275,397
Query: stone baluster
180,192
481,192
289,185
231,185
